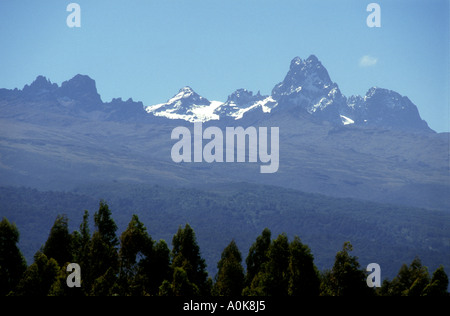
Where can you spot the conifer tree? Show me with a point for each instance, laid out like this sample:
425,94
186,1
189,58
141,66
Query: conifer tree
12,262
230,276
105,285
136,245
83,241
303,274
186,255
275,277
410,281
81,245
156,268
346,278
59,242
438,285
180,285
104,261
60,288
39,277
106,227
257,256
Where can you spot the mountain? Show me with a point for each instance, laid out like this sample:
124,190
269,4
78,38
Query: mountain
41,87
82,90
356,168
242,101
384,108
186,105
364,168
77,97
373,148
307,89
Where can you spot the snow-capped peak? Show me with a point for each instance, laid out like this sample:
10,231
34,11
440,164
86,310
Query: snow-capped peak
186,105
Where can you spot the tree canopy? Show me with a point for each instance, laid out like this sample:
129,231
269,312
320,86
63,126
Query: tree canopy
133,264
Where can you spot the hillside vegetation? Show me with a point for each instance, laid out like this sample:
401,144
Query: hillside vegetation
386,234
134,264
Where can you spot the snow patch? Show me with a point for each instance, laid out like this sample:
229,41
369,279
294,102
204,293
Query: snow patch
346,120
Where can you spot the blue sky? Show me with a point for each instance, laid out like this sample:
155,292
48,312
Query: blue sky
149,49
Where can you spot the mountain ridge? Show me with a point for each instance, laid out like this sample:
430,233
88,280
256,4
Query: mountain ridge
58,139
306,88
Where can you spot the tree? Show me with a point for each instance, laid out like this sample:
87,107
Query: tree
180,286
39,277
267,266
106,227
287,269
410,281
12,262
60,288
230,276
257,255
438,284
81,245
303,274
346,278
103,255
81,242
136,245
59,242
186,255
105,285
275,277
155,269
